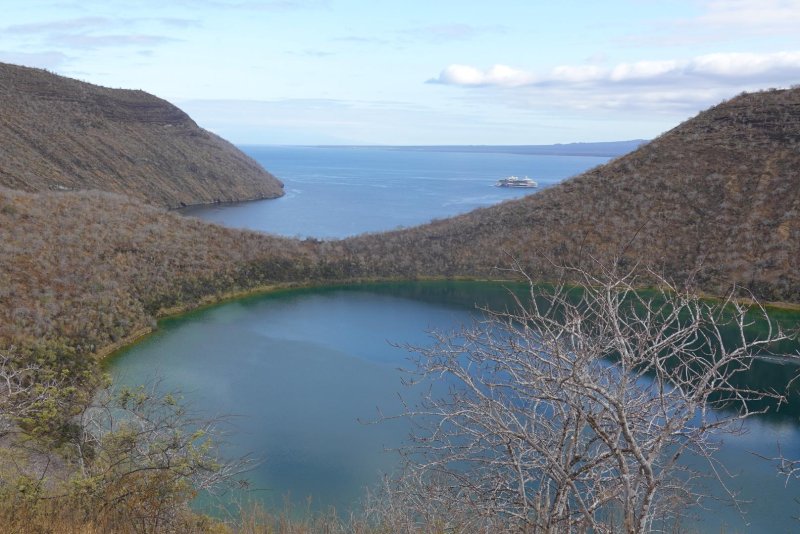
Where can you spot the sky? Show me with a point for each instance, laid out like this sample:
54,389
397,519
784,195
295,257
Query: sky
417,72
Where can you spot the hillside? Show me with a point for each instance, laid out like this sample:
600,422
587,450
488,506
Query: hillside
89,269
82,272
61,134
719,193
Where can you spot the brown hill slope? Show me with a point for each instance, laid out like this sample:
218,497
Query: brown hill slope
83,271
720,192
90,268
62,134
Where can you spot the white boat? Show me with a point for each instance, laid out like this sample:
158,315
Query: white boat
514,181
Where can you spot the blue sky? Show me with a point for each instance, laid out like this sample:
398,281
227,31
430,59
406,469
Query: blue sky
417,72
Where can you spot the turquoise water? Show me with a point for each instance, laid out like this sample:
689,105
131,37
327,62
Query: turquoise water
304,370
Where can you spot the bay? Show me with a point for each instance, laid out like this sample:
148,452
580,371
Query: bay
334,192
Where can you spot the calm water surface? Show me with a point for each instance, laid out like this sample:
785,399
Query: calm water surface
338,192
300,369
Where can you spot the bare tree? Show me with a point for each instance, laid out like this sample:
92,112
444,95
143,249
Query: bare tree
571,412
14,392
20,391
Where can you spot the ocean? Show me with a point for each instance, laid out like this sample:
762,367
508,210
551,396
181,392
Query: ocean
334,192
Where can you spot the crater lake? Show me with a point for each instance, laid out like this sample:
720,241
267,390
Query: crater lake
305,373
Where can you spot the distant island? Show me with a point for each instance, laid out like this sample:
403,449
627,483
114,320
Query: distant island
599,149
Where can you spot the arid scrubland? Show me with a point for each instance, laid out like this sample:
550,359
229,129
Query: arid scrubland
719,194
61,134
718,197
93,268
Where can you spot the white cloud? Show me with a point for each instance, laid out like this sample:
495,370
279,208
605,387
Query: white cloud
498,75
759,17
438,34
257,5
575,74
642,70
104,41
151,5
86,33
662,86
778,64
44,60
779,68
59,25
724,21
89,24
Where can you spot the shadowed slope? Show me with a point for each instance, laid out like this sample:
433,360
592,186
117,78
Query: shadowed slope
61,134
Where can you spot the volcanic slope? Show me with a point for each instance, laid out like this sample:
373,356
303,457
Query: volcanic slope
61,134
718,194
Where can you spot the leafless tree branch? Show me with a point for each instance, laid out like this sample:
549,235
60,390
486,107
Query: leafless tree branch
572,411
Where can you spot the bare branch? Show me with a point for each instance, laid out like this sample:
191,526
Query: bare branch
571,412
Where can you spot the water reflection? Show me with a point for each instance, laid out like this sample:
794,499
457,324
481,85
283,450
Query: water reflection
301,367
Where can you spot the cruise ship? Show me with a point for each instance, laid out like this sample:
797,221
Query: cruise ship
514,181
